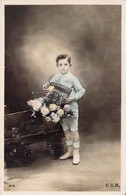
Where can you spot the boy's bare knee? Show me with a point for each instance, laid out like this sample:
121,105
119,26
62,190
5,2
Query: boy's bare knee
67,132
74,132
68,135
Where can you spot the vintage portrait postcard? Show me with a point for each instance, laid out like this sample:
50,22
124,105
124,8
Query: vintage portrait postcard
62,97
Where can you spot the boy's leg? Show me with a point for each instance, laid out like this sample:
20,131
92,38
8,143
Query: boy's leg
69,143
76,147
76,140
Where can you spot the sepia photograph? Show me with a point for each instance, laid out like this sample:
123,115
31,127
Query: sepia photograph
62,97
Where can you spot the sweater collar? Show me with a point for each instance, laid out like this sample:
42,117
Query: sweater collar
66,74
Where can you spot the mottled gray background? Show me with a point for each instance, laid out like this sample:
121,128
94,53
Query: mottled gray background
90,34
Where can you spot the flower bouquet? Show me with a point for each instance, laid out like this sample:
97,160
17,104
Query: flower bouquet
52,105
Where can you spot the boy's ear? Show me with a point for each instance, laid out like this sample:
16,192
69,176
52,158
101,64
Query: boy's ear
70,65
56,64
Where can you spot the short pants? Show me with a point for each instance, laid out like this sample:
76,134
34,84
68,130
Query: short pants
70,123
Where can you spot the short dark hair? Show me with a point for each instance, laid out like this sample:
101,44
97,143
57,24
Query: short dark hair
63,56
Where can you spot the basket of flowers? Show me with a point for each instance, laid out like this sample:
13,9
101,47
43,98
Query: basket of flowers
52,105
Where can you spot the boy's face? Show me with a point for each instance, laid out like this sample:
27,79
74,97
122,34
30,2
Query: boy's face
63,66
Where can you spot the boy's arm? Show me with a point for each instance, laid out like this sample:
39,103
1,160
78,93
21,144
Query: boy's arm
46,85
79,91
78,88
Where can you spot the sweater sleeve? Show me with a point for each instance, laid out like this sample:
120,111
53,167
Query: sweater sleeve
53,79
48,83
79,90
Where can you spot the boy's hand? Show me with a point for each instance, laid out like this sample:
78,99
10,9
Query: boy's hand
46,85
70,99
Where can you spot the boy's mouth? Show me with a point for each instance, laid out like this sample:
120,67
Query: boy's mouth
63,71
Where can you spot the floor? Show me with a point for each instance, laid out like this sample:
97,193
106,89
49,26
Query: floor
99,169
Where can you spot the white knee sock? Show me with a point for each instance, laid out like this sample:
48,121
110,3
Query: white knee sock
69,142
76,145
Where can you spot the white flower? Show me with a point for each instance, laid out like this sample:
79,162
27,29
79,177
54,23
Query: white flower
52,107
55,117
48,119
44,111
66,107
41,100
52,114
36,105
30,102
60,112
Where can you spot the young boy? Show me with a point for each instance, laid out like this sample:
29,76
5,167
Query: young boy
69,125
